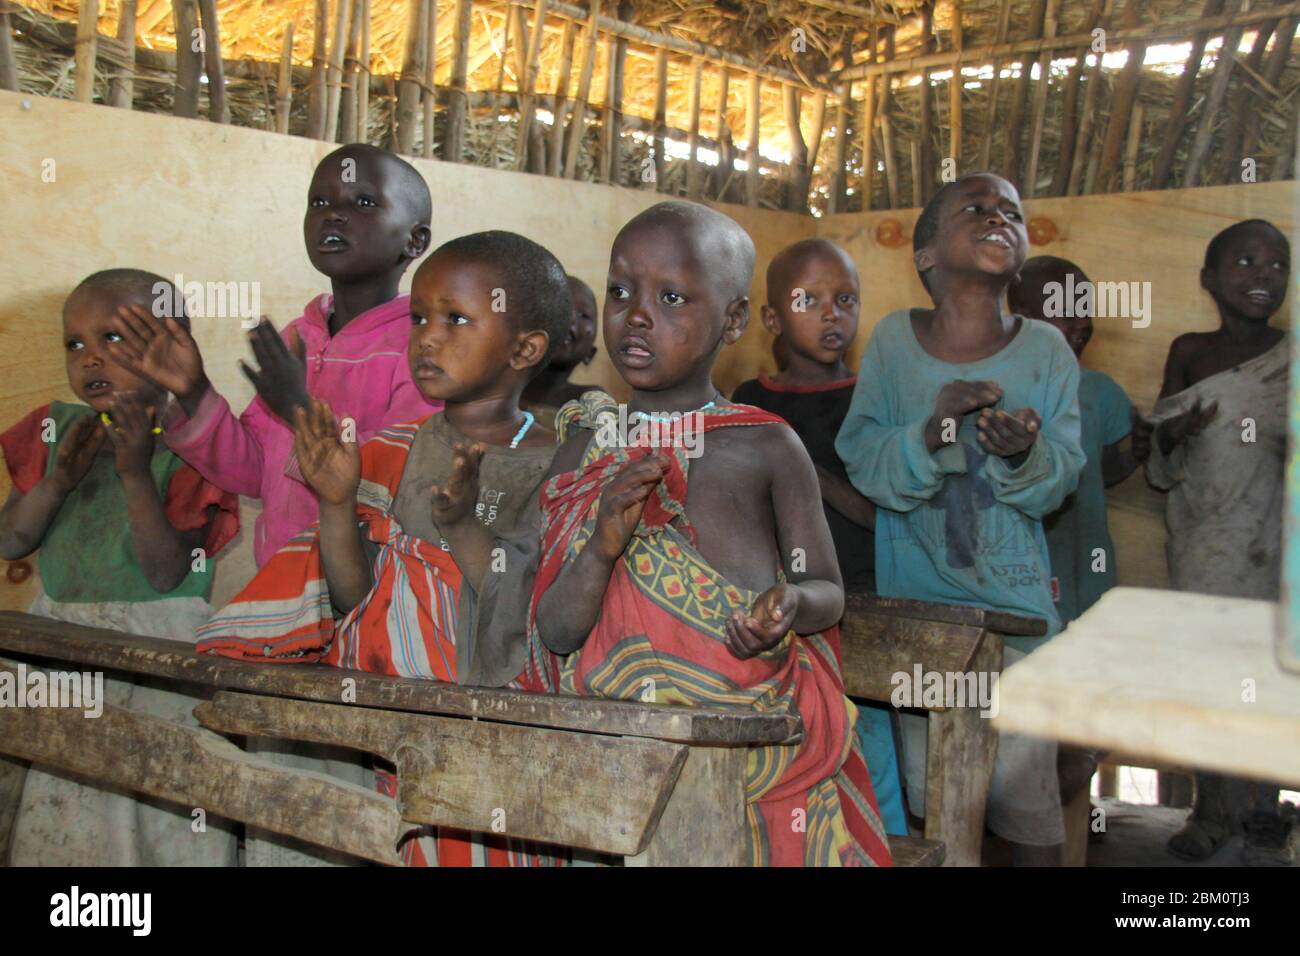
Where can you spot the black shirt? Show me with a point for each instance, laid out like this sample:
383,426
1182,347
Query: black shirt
815,412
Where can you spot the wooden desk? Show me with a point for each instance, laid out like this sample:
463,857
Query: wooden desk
1187,679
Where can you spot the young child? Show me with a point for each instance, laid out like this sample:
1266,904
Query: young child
367,219
964,430
1218,449
1078,536
420,585
127,534
812,309
704,595
551,387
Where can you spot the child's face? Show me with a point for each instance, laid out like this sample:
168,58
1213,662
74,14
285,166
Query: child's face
87,326
981,230
1250,279
357,224
665,320
1030,300
461,349
816,311
579,344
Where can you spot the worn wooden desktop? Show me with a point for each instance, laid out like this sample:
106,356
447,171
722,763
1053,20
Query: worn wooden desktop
1177,678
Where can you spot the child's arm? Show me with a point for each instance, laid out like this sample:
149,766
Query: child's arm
567,613
846,499
896,457
333,470
811,598
1119,459
1034,460
26,517
226,450
162,551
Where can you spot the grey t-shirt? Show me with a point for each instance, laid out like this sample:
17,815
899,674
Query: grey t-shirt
492,615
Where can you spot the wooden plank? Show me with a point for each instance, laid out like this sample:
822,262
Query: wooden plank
334,76
528,85
284,82
429,62
754,122
189,63
959,766
1187,679
874,648
1223,65
913,851
979,617
704,822
194,768
41,637
218,108
694,178
316,86
1182,101
122,87
87,42
661,117
453,149
560,102
585,790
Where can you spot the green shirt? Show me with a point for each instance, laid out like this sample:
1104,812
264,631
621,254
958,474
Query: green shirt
87,554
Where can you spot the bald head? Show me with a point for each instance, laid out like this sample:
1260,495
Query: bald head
126,286
399,178
787,263
724,250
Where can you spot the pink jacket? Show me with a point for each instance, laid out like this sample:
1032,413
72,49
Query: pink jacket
362,373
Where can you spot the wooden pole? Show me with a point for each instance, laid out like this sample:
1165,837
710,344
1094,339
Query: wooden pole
496,94
348,91
986,145
837,198
887,130
914,146
560,106
316,87
457,105
726,159
868,142
1182,101
1284,167
612,127
429,61
218,110
8,63
1231,150
818,128
334,84
693,178
1011,149
284,82
954,101
87,42
188,62
1070,108
795,185
122,88
1277,61
363,77
1121,108
754,120
1085,140
528,85
1213,99
926,118
1131,150
661,117
408,87
1040,103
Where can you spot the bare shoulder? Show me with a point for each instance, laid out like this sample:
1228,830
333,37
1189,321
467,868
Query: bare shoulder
773,445
569,455
1190,345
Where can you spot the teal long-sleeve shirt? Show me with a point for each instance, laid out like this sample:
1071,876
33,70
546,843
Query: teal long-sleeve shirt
961,526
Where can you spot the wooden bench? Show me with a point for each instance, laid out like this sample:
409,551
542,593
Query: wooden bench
657,785
881,637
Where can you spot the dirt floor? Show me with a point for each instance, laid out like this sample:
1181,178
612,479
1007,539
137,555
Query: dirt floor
1136,835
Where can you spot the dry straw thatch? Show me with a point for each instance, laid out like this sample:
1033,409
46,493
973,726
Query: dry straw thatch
1226,116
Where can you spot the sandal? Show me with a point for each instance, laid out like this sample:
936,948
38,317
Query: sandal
1267,841
1198,840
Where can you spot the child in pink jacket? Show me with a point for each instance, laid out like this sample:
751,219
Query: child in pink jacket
367,219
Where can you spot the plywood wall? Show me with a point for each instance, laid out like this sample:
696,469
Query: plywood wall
225,204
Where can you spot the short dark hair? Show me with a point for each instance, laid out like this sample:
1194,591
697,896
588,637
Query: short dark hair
1221,240
407,181
123,282
536,285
